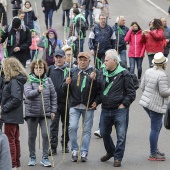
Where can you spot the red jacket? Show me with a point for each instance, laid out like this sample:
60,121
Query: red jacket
136,43
155,41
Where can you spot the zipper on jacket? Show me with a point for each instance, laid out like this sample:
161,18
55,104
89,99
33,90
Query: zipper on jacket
135,45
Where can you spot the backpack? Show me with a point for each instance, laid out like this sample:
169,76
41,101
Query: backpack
135,81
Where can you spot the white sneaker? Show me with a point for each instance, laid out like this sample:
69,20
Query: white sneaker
97,133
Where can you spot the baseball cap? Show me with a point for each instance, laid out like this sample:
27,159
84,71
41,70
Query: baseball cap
60,53
83,54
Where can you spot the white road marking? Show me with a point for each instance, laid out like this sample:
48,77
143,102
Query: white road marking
157,7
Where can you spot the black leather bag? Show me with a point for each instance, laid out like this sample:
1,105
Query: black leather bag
167,117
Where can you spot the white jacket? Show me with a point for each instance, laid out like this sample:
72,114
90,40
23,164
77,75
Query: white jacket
155,89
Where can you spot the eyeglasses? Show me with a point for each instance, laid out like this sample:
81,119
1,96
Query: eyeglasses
38,68
68,55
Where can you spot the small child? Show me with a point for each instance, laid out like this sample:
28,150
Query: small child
5,155
105,9
71,15
34,46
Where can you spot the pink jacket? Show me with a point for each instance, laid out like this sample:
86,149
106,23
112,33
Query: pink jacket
34,44
155,41
136,44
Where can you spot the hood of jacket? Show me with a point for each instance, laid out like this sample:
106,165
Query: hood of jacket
21,78
54,31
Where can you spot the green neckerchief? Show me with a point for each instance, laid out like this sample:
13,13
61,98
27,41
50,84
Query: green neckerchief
36,55
99,63
65,71
83,85
5,52
45,42
118,70
12,39
120,30
34,79
76,18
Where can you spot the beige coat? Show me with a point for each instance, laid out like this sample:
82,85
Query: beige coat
155,89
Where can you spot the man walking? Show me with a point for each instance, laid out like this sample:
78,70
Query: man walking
80,82
103,35
117,91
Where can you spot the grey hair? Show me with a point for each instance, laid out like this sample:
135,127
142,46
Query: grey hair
113,55
118,18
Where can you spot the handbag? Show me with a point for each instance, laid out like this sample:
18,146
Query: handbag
167,117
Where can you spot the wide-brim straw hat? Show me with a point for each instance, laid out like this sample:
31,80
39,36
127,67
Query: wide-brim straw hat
159,59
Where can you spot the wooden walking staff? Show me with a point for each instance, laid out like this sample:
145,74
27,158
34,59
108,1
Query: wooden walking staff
66,108
118,38
87,106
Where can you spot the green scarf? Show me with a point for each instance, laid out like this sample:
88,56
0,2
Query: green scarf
83,83
12,39
120,30
50,50
5,52
118,70
66,71
45,42
34,79
99,63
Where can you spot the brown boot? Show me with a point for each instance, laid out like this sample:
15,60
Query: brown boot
105,158
117,163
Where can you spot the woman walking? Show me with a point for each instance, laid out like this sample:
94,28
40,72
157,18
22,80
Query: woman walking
12,105
154,100
136,48
34,113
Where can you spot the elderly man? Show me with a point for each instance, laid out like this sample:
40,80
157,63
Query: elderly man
121,31
103,35
80,82
57,73
167,36
117,91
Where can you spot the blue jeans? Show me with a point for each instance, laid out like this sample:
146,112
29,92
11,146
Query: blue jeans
156,125
67,15
48,15
138,61
74,116
89,13
119,118
123,56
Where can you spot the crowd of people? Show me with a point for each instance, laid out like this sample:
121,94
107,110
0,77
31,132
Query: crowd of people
62,84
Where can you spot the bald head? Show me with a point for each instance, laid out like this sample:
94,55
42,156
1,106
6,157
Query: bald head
163,20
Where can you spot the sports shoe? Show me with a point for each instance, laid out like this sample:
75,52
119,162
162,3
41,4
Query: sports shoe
45,162
74,156
105,158
160,153
83,157
156,157
117,163
54,152
97,133
32,161
66,149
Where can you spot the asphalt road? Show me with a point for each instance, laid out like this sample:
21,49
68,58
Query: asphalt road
137,145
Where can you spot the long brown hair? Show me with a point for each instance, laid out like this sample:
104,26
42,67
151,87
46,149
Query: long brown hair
12,68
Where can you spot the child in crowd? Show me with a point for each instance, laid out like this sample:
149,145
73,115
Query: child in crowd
34,48
71,15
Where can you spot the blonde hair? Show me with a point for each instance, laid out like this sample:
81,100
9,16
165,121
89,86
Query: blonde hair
12,67
160,66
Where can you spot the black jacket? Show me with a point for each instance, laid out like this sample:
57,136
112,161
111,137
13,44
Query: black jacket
16,4
57,77
12,100
89,4
24,44
29,19
49,4
122,43
106,39
2,11
121,92
77,97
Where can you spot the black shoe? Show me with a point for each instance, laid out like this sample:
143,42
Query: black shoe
63,24
117,163
54,152
66,149
74,156
83,157
105,158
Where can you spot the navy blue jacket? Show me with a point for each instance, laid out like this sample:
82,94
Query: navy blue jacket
29,18
106,39
122,43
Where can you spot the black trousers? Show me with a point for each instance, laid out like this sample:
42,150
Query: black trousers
54,128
